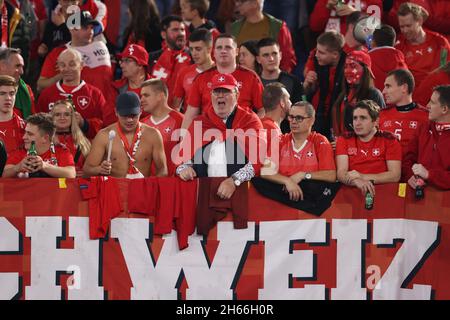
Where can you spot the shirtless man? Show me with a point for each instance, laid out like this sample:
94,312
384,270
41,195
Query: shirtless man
134,148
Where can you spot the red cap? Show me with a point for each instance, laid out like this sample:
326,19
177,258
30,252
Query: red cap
135,52
221,80
362,57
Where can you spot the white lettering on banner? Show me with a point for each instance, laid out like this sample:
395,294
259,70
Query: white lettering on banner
280,263
47,260
419,239
349,235
9,242
95,54
158,280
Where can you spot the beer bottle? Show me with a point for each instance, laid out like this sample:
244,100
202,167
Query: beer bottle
32,151
420,194
369,201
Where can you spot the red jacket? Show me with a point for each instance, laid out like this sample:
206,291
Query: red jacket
319,18
385,59
431,149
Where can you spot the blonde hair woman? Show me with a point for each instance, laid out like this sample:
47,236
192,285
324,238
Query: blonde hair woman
68,133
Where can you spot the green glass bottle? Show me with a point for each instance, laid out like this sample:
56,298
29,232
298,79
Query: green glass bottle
32,151
369,201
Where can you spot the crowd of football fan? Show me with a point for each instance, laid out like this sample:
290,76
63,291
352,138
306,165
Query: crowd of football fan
91,88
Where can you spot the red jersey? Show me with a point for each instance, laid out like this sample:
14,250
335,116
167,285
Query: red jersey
168,66
314,155
166,127
97,69
369,157
272,131
249,84
431,149
426,57
103,195
404,125
11,133
184,81
88,101
62,155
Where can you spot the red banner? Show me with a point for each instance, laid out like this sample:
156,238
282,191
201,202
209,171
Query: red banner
398,250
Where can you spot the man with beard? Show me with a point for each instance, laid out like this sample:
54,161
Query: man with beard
175,54
135,146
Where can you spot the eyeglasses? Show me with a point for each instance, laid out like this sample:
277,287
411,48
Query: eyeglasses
296,118
221,92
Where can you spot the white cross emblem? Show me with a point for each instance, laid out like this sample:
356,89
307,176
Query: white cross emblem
430,49
167,130
413,124
309,154
83,102
131,50
376,152
221,79
160,74
181,58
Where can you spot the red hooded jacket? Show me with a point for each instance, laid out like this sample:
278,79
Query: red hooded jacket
384,60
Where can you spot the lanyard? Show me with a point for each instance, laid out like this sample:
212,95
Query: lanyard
131,150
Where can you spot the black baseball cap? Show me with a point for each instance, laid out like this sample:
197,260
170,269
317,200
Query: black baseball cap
128,103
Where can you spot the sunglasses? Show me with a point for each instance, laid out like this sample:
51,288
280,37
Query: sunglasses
296,118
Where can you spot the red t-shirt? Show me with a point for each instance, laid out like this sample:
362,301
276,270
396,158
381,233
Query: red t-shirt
404,125
184,81
11,133
166,127
250,89
168,66
88,101
423,58
63,156
369,157
314,155
272,131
